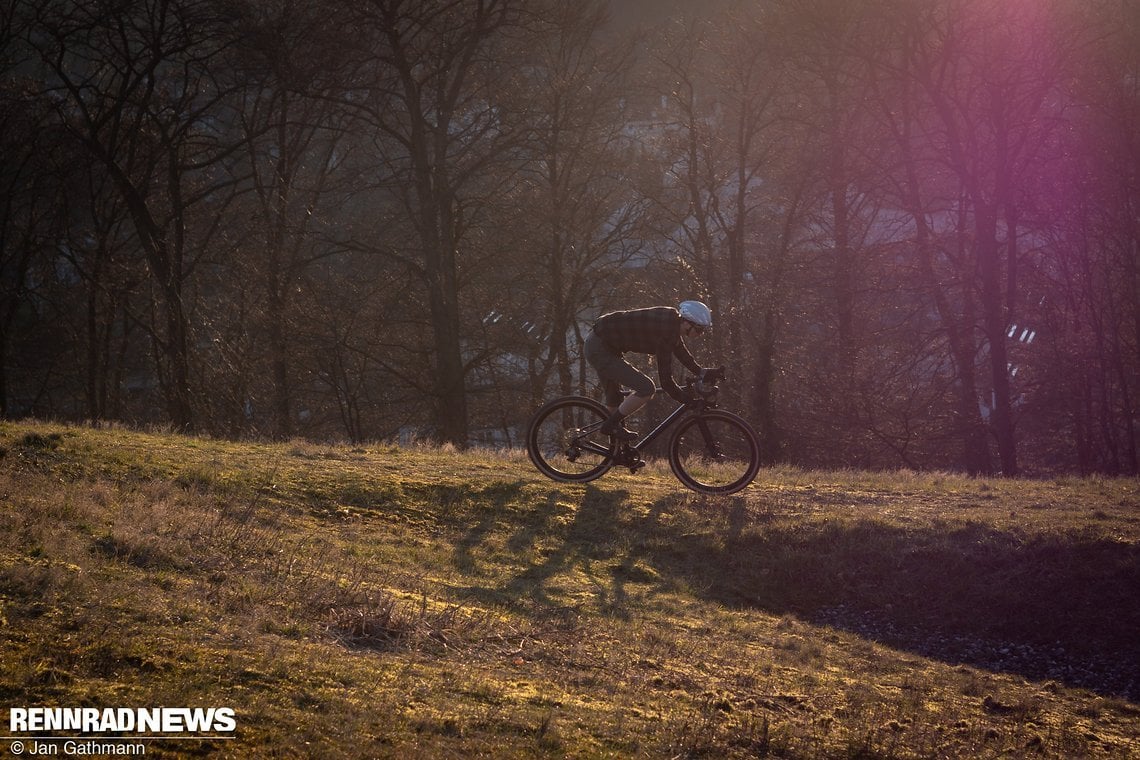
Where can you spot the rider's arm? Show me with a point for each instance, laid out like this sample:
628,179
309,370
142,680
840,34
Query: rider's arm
681,351
665,368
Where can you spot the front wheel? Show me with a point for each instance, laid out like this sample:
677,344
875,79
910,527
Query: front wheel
715,452
564,442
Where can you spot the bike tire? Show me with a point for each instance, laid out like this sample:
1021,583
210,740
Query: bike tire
563,442
696,467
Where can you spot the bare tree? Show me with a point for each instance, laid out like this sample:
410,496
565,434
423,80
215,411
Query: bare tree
293,66
742,169
26,192
924,190
1085,367
434,73
133,84
695,175
580,180
989,71
847,334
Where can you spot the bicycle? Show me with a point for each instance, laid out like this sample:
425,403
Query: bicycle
711,450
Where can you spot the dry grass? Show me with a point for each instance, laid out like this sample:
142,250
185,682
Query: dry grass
386,602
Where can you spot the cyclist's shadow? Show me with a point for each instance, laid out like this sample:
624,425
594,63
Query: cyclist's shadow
604,534
593,534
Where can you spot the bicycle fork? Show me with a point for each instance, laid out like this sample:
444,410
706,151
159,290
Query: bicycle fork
712,445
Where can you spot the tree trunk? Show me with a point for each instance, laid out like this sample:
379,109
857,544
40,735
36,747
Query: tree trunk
451,396
995,325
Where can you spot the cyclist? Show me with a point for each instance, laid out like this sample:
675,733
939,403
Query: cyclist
660,331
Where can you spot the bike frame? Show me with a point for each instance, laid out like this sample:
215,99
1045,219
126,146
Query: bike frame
652,435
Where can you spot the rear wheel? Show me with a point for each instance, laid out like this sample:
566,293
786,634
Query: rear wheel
715,452
563,440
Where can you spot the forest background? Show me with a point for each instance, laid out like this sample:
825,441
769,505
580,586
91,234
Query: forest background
917,221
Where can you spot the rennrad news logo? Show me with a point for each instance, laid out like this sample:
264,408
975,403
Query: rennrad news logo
87,731
137,720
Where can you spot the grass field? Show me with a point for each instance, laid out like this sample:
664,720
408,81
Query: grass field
379,601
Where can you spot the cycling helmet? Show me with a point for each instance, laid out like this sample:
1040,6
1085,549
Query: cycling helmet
697,313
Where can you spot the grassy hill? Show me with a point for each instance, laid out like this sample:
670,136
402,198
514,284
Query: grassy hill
388,602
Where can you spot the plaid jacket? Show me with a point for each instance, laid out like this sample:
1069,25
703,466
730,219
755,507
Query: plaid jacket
654,331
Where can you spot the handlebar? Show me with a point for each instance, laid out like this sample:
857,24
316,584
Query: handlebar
706,384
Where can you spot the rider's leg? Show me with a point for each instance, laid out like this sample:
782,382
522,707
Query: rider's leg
614,371
613,426
631,404
643,388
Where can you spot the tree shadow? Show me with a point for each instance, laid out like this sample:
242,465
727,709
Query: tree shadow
1061,608
1064,608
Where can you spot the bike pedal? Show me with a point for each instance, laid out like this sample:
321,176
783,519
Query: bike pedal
636,465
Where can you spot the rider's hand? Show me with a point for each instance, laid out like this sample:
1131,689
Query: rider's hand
706,383
712,374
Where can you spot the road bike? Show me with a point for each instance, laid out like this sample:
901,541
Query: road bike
710,450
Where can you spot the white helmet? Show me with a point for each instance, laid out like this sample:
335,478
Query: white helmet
697,313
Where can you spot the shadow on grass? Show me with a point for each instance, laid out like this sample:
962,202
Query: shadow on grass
586,536
1064,608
